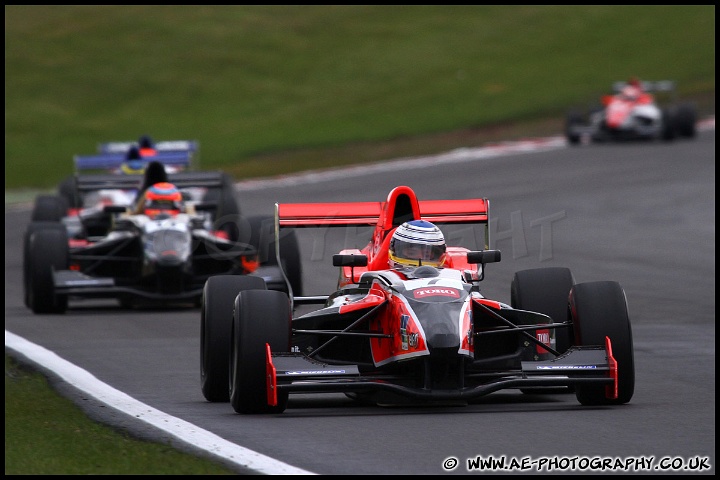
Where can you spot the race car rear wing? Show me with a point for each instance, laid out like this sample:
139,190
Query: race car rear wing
464,222
88,183
370,213
191,146
650,87
401,205
111,161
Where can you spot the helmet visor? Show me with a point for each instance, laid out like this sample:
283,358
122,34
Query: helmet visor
409,253
162,204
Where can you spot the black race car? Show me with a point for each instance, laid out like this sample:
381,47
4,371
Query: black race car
91,246
145,261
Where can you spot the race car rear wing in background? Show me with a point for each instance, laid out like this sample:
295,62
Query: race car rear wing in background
89,183
650,87
191,146
111,161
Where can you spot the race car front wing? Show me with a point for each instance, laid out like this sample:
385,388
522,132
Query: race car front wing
580,365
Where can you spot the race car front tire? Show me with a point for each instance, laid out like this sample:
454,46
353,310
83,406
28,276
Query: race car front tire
216,317
48,252
32,228
599,309
545,290
260,318
572,121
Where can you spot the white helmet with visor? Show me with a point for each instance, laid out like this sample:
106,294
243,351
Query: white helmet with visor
417,243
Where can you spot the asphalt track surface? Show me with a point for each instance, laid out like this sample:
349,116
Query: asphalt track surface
642,214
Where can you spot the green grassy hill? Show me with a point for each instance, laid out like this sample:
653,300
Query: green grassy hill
271,89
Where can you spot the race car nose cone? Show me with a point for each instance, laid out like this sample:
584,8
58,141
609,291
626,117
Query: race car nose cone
441,336
168,260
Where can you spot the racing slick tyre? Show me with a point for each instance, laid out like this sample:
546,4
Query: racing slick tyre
227,216
260,317
668,129
262,238
48,252
32,228
572,121
686,118
216,317
599,309
68,190
49,208
545,290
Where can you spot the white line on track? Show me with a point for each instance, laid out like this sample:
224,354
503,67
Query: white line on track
180,429
459,155
455,156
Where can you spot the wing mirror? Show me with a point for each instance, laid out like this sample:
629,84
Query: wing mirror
206,207
340,260
115,209
352,261
484,256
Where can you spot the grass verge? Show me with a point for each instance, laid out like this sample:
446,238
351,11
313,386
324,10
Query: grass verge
47,434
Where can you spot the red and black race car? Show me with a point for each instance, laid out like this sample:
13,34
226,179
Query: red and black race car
633,112
406,335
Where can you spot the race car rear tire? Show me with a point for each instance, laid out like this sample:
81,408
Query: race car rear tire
68,190
545,290
599,309
261,236
32,228
48,252
260,317
216,317
227,216
49,208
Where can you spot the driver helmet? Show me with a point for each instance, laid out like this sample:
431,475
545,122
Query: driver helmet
630,92
147,146
635,82
417,243
162,198
145,142
133,164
